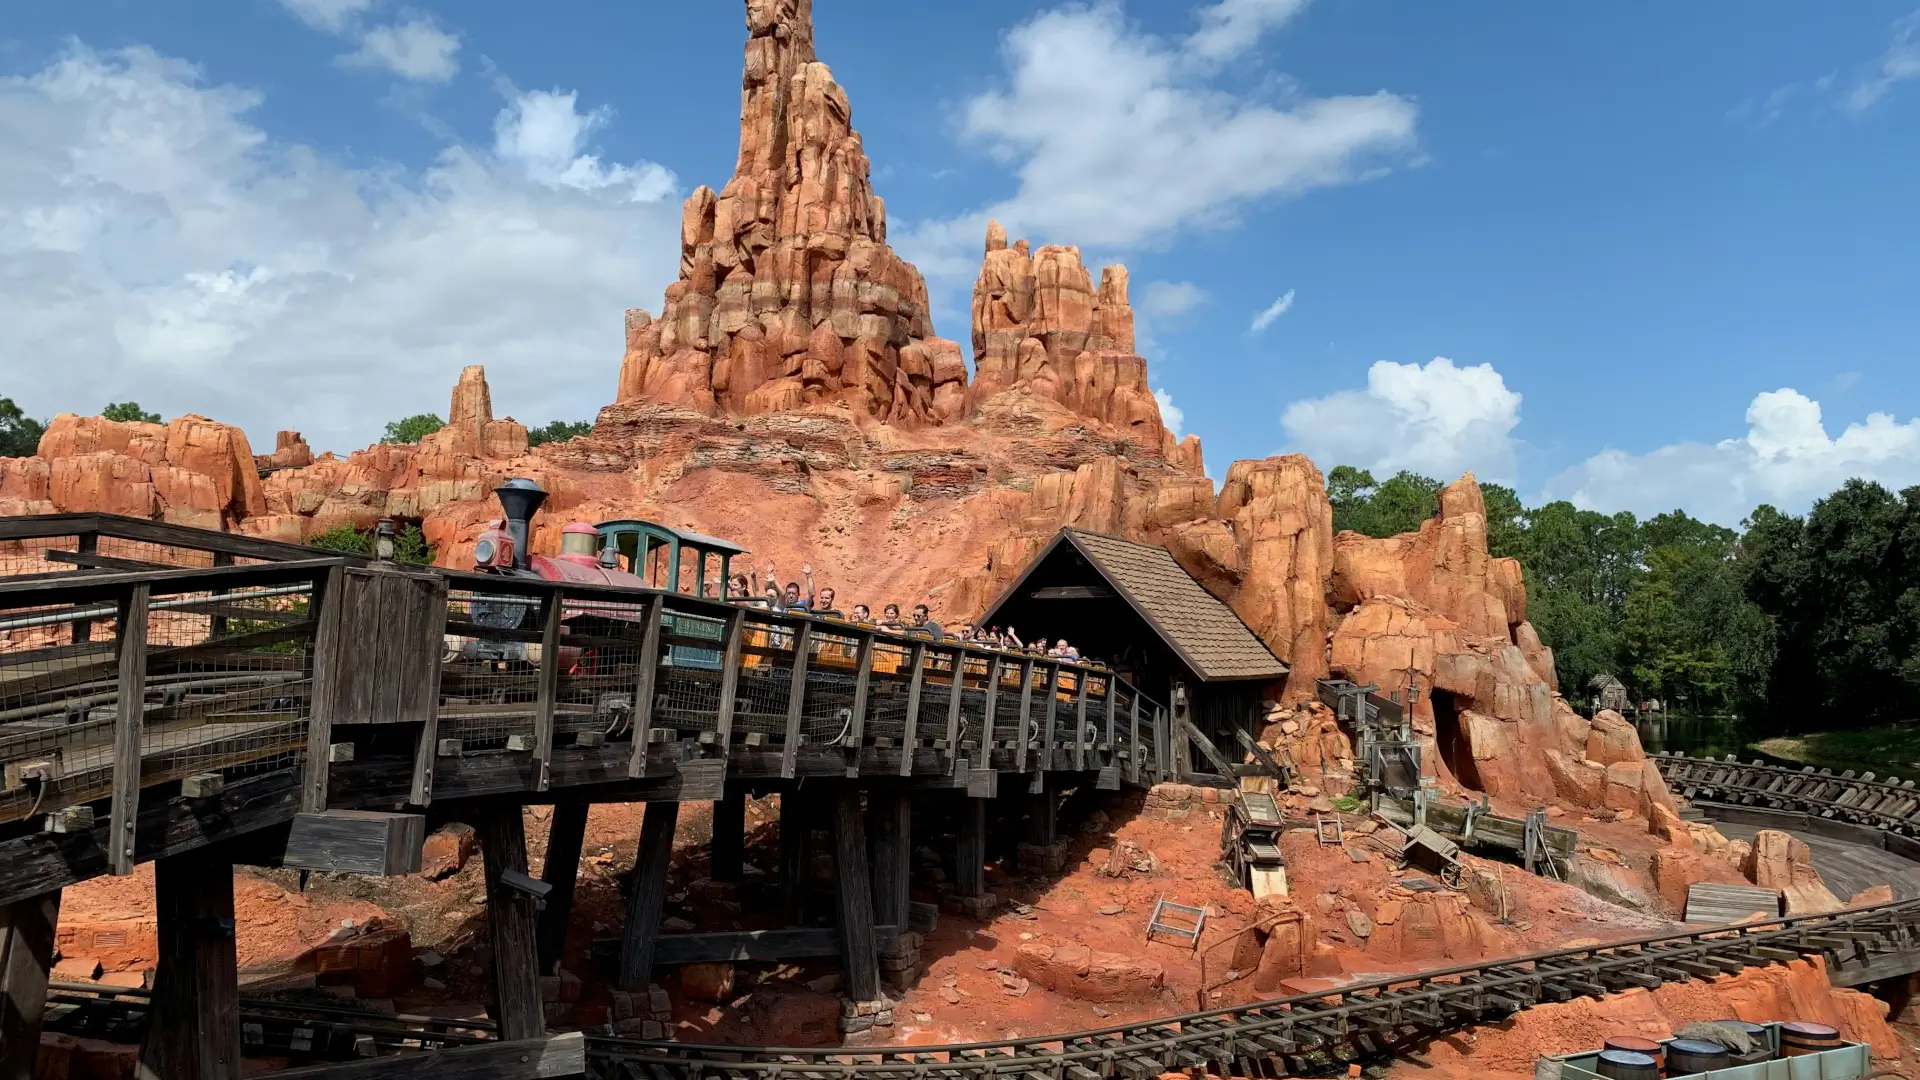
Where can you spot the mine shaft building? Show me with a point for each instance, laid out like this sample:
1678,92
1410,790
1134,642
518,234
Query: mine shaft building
1135,608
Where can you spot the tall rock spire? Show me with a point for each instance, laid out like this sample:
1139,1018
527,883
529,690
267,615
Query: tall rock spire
789,294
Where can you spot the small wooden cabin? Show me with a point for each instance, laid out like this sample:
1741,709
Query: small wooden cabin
1133,607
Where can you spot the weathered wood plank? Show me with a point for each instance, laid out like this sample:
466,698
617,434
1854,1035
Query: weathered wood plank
728,856
643,688
195,1030
561,1057
917,657
796,699
1025,734
424,706
859,952
512,918
566,835
367,842
970,860
862,684
549,692
730,679
330,679
128,724
890,827
26,955
646,905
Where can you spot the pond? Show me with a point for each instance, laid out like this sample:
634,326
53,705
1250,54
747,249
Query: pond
1697,735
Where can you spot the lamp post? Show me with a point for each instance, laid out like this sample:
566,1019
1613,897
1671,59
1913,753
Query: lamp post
383,541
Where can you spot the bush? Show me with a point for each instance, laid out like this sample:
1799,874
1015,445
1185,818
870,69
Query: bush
19,433
412,429
129,412
409,546
558,431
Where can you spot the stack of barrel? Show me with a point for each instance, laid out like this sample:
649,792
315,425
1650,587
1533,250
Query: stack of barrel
1628,1057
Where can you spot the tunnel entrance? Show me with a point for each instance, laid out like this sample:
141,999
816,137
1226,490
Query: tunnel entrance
1450,738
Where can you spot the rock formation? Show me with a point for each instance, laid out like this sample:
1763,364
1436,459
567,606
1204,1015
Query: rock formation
789,294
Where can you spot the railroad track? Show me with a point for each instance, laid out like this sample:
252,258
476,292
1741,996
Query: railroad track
1307,1032
1889,805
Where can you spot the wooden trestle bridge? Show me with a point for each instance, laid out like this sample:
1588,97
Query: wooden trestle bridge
200,700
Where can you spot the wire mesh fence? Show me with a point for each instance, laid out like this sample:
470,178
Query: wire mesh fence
1006,706
601,654
826,714
490,668
37,556
687,690
765,680
887,692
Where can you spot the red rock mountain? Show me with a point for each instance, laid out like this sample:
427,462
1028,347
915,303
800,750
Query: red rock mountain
794,396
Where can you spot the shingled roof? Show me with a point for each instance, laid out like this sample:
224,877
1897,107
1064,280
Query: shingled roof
1206,633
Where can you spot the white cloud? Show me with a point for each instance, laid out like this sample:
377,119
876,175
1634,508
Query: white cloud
1231,27
1900,62
1273,311
156,245
1171,415
1170,299
1435,419
331,16
1121,139
1786,458
416,50
547,135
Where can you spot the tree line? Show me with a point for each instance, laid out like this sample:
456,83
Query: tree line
1794,622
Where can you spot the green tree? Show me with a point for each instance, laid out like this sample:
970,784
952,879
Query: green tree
129,412
413,428
409,545
19,433
1381,509
559,431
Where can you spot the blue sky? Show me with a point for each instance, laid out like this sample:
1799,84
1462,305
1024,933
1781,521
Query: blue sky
1671,257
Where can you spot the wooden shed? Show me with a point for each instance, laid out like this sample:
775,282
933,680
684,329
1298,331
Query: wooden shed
1133,607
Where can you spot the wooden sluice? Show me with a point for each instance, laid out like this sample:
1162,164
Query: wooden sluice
200,700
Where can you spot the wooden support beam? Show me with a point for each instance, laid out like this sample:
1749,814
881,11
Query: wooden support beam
424,700
728,856
986,723
796,699
195,1026
859,952
646,905
1113,687
26,955
1135,754
1026,717
1053,705
954,701
328,681
130,649
548,694
566,835
562,1057
1045,807
643,687
862,684
368,842
1080,723
730,681
512,917
796,856
970,860
910,737
890,828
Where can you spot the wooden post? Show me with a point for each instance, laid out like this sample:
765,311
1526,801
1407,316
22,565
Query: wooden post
26,955
427,698
916,656
511,915
1134,755
862,678
549,692
130,648
730,681
648,902
796,700
859,951
1045,807
643,685
986,728
1026,716
329,596
88,544
729,854
796,856
1080,722
890,827
1053,704
970,861
195,1025
954,701
1113,689
566,835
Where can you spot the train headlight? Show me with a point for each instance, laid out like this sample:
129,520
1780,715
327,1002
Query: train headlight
483,551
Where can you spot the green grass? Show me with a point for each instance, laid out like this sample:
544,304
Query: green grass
1891,750
1347,804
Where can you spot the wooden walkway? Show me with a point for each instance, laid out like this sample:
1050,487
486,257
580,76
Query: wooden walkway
1847,867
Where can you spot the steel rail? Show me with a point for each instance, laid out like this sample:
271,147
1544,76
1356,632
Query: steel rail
1890,804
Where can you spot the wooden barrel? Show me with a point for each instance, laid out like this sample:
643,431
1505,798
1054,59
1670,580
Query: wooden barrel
1634,1044
1626,1065
1686,1057
1800,1038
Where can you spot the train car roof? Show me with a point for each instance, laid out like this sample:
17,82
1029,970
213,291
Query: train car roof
692,539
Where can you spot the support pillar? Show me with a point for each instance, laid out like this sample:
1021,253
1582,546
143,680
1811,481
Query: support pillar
890,830
859,952
648,902
513,919
970,861
566,835
728,856
796,856
26,955
194,1030
1044,806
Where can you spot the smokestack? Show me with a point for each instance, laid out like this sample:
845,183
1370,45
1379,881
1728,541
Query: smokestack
521,499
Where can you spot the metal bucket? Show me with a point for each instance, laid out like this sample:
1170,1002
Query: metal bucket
1686,1057
1626,1065
1799,1038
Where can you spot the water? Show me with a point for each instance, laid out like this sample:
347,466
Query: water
1697,735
